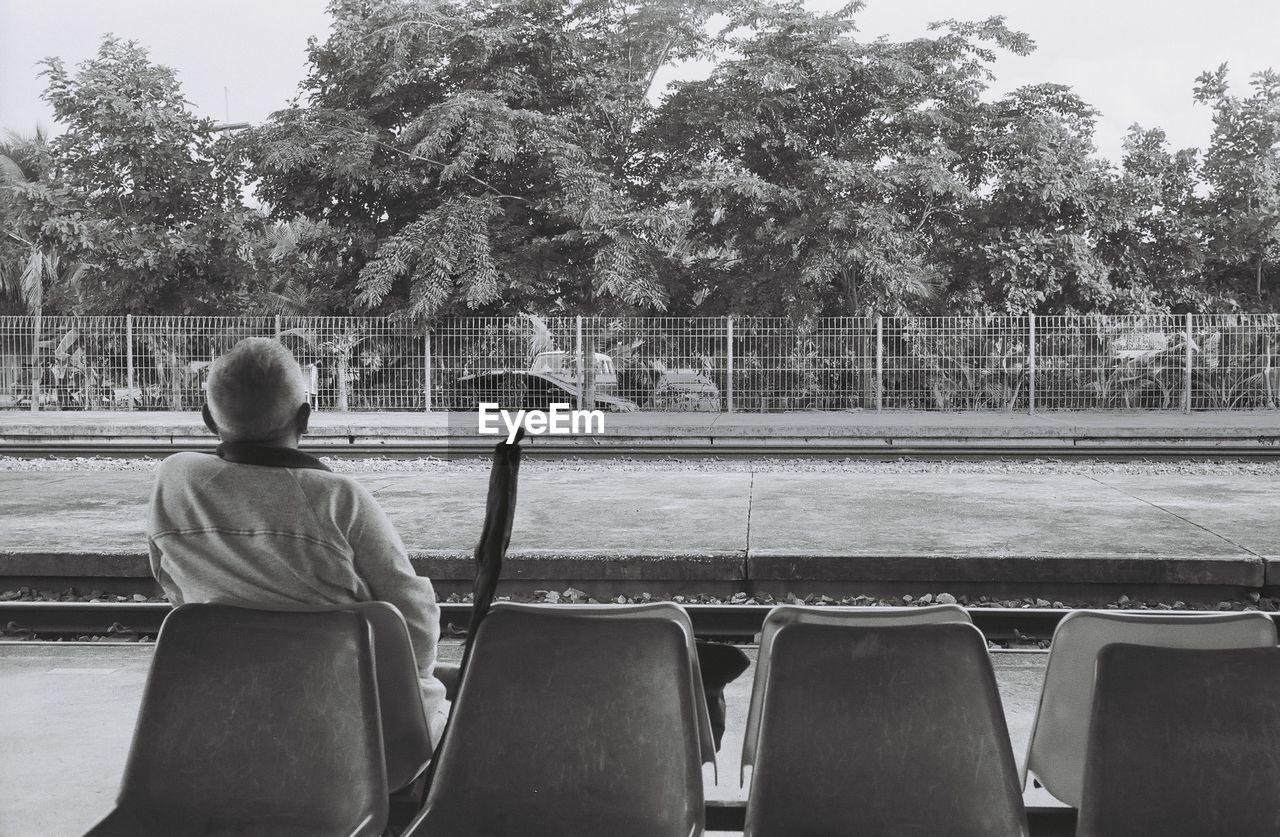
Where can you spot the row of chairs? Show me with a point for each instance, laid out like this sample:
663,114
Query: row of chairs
1174,746
587,720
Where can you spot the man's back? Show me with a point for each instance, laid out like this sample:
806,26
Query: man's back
275,527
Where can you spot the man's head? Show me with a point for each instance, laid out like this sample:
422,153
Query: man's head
256,393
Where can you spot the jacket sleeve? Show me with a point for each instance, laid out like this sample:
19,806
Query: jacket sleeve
383,563
158,522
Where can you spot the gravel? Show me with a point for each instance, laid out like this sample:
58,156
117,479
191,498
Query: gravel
119,633
572,595
780,465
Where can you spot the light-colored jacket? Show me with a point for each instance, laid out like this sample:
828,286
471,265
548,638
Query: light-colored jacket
272,535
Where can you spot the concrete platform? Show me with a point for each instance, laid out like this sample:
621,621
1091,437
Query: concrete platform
1258,428
69,715
609,530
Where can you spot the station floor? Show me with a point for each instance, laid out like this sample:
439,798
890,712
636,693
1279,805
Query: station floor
69,713
1053,525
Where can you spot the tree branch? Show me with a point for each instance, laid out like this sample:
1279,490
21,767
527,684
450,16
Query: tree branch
497,193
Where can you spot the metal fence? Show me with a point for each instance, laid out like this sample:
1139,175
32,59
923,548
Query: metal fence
747,364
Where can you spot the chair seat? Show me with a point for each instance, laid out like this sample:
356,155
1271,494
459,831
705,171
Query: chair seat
793,614
256,723
580,720
1056,751
885,730
1184,743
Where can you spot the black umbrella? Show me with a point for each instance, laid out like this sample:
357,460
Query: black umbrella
499,512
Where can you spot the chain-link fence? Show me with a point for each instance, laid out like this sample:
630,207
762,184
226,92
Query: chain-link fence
1234,365
956,363
1099,362
707,364
65,363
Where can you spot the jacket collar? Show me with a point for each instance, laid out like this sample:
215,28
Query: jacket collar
245,453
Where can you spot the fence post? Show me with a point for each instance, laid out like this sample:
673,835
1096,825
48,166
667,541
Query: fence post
426,366
277,326
1186,395
1031,364
577,352
37,371
729,368
128,355
879,362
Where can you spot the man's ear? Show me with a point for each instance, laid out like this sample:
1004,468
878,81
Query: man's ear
209,422
304,416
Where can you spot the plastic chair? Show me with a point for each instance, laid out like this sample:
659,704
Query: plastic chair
575,720
256,723
887,730
1055,755
406,738
793,614
1183,743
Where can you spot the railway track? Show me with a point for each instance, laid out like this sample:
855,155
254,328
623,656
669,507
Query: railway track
1253,451
734,623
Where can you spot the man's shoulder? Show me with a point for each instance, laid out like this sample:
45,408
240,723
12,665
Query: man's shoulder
330,482
187,462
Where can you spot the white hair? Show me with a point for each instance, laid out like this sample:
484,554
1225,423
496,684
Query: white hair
255,390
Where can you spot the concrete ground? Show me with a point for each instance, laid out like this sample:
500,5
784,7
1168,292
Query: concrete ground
69,715
804,527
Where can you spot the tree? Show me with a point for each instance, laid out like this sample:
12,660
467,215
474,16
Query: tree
820,170
299,265
140,191
32,263
1242,171
1154,246
1030,243
473,154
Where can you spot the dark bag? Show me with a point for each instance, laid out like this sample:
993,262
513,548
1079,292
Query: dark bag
720,665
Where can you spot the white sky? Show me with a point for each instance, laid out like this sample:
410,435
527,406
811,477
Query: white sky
1135,60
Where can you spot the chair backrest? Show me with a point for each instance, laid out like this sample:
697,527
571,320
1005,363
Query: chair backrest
406,738
259,723
883,730
1182,743
574,720
793,614
1056,752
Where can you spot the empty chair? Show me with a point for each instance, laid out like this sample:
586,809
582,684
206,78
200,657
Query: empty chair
883,731
1183,743
791,614
256,723
575,720
1055,755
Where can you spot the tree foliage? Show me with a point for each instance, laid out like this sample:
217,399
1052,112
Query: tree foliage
142,192
1242,171
468,156
821,170
473,154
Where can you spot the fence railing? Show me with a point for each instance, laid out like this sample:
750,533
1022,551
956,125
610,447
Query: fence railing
748,364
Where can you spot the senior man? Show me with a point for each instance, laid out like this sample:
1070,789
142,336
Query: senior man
263,524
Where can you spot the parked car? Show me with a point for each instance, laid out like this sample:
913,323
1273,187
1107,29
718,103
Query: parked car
685,390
